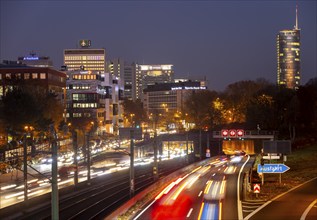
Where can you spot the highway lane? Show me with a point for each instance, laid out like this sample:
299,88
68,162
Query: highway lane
207,192
290,205
186,197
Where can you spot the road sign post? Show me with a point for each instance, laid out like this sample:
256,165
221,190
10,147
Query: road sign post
256,188
272,168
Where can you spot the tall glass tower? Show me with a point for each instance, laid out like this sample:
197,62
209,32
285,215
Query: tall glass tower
288,57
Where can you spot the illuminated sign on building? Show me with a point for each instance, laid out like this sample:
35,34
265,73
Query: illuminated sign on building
188,87
30,58
85,43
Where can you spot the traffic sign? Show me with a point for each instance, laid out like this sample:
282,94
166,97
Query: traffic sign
272,168
224,133
207,153
271,157
256,188
232,133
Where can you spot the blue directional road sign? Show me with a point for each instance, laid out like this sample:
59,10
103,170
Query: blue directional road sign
272,168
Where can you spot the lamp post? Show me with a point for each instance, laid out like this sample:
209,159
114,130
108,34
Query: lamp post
25,169
55,207
131,122
88,151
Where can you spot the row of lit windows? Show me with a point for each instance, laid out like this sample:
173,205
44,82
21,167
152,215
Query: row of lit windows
84,97
84,105
88,68
78,86
86,65
84,57
84,77
293,43
80,115
79,61
24,76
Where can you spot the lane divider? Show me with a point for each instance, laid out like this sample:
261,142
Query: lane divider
240,214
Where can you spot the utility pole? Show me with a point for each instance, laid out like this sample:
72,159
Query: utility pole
88,157
131,163
25,168
55,208
200,153
187,159
75,148
155,173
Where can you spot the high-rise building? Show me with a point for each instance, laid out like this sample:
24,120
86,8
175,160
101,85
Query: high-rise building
115,67
85,58
288,57
129,80
150,75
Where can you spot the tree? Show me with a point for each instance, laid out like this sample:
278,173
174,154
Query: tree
199,108
27,106
134,111
237,97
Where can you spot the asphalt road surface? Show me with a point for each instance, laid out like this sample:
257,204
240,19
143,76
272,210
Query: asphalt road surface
299,203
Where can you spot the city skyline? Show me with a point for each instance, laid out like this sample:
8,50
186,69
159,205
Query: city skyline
225,41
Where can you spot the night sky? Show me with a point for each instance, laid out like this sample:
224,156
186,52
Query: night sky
226,41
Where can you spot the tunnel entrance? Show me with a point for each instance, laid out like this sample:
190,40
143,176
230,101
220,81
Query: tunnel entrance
230,146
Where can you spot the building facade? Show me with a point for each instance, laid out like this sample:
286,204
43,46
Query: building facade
85,58
150,75
40,78
288,57
94,97
169,97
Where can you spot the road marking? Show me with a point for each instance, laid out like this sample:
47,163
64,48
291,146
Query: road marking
200,193
201,210
144,210
303,217
268,202
255,202
240,214
190,212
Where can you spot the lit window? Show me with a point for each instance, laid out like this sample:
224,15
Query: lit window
26,75
34,76
42,75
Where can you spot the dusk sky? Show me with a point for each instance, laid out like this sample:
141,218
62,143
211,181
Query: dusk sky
226,41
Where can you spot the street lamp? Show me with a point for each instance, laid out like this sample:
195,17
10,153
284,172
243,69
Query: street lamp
131,122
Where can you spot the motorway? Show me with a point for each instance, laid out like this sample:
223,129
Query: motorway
207,192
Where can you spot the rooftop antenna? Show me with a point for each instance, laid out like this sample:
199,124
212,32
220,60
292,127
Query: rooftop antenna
296,22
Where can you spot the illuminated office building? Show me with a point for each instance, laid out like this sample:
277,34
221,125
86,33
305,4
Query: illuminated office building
94,96
152,74
169,97
85,58
288,57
